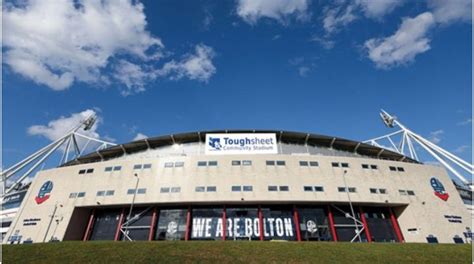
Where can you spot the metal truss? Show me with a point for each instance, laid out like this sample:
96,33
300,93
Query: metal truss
125,227
358,225
69,145
404,141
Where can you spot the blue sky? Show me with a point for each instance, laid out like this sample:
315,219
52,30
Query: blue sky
160,67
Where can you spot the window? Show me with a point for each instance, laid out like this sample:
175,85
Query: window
137,166
248,188
179,164
82,171
335,164
109,193
308,188
130,191
202,163
117,168
147,166
392,168
281,163
72,195
318,188
108,169
100,193
175,189
383,191
236,163
365,166
236,188
164,189
81,194
341,189
374,167
400,169
345,165
303,163
211,189
373,190
272,188
402,192
247,163
352,189
170,164
313,164
284,188
90,171
213,163
141,191
410,192
199,189
270,163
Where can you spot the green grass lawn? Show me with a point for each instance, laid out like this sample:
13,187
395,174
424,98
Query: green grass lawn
229,252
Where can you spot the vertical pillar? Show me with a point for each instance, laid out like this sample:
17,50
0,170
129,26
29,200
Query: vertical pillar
331,224
297,223
152,225
188,221
366,226
398,232
260,222
224,223
119,225
89,226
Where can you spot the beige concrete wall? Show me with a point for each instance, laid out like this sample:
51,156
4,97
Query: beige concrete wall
424,211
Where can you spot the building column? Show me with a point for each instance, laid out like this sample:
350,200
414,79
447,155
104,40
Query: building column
260,222
152,225
297,223
331,224
398,232
188,221
89,226
119,225
224,223
366,226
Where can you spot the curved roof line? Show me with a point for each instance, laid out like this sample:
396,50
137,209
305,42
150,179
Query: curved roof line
282,136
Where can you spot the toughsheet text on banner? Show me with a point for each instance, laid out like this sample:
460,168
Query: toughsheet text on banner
229,144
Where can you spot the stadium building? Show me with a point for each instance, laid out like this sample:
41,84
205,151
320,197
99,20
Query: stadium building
242,185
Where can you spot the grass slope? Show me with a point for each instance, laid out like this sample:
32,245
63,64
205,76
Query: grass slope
231,252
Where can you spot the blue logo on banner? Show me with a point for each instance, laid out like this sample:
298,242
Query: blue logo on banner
439,189
215,143
44,192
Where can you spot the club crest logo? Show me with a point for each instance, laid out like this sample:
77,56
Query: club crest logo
44,192
215,143
311,226
439,189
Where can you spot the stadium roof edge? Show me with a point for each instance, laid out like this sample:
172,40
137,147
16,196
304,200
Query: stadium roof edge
291,137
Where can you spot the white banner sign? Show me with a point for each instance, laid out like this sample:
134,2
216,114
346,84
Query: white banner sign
226,144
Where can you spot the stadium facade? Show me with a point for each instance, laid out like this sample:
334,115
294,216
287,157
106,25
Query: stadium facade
242,185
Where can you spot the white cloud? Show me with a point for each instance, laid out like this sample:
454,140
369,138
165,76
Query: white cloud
337,17
402,47
435,136
446,11
197,66
465,122
59,127
133,76
324,42
281,10
378,8
58,42
462,148
139,136
303,71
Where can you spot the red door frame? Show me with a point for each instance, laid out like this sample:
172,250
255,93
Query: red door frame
398,232
89,225
331,224
119,225
366,226
224,223
260,222
152,225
